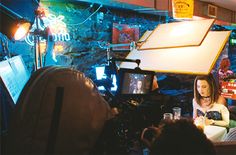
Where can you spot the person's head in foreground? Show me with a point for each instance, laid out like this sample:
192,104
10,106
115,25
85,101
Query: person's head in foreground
178,137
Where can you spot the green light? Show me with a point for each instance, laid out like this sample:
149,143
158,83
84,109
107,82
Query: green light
233,41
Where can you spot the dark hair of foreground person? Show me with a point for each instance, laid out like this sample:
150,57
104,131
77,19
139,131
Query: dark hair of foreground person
180,137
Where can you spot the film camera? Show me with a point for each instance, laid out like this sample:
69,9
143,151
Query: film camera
124,89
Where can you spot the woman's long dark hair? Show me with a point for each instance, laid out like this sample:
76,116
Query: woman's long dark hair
214,90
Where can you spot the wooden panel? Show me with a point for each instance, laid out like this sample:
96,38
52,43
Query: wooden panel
162,4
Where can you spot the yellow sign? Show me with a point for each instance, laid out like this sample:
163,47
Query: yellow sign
182,8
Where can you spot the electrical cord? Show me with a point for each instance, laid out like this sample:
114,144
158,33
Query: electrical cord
87,18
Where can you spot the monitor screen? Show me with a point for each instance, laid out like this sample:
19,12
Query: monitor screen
100,75
135,82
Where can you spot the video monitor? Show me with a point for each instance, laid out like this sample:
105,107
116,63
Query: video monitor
135,82
100,75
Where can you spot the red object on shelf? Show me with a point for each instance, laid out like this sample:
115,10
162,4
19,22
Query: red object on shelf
228,89
124,34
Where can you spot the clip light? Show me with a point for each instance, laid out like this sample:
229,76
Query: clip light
21,30
15,27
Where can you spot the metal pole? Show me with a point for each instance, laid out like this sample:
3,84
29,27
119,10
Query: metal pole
108,54
35,53
38,42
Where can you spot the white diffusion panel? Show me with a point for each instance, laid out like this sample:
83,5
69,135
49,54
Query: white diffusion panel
178,34
185,60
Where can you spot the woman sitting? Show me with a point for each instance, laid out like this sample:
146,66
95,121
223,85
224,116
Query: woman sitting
224,70
207,103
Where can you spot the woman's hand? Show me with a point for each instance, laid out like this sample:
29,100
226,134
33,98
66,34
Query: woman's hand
202,121
199,122
209,121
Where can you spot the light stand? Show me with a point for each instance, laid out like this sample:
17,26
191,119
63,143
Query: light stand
37,34
4,44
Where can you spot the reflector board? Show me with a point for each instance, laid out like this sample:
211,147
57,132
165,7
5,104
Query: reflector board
145,36
178,34
186,60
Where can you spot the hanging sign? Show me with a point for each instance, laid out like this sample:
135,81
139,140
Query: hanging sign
182,8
